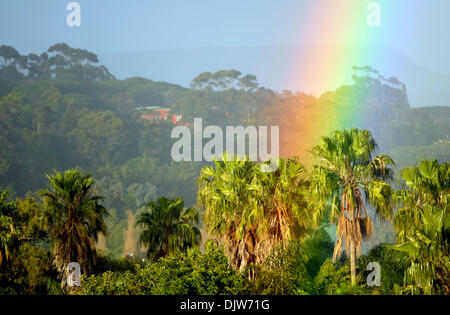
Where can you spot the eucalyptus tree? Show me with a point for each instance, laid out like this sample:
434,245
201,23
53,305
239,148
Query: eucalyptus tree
168,227
346,178
250,210
423,225
75,218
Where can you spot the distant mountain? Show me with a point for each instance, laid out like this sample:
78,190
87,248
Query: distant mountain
282,68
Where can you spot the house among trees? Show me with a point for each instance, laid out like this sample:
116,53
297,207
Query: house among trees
157,113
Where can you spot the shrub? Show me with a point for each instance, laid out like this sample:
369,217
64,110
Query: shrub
107,263
192,273
393,266
31,272
330,280
291,269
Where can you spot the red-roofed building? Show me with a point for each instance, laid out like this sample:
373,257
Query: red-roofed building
157,113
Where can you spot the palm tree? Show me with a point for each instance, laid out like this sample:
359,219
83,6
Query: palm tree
250,210
167,227
75,219
349,177
423,225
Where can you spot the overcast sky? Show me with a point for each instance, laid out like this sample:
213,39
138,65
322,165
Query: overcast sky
419,29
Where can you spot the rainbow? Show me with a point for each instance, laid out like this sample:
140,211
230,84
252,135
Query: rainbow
339,38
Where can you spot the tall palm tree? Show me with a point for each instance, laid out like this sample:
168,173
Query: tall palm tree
348,176
423,225
74,216
167,227
252,211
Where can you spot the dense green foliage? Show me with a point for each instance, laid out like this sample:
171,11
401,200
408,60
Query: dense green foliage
292,269
191,273
423,223
25,262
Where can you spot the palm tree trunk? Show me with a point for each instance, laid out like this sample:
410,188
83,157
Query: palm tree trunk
353,261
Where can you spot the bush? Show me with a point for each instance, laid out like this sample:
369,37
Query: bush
330,280
193,274
393,266
334,279
30,272
106,263
291,269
